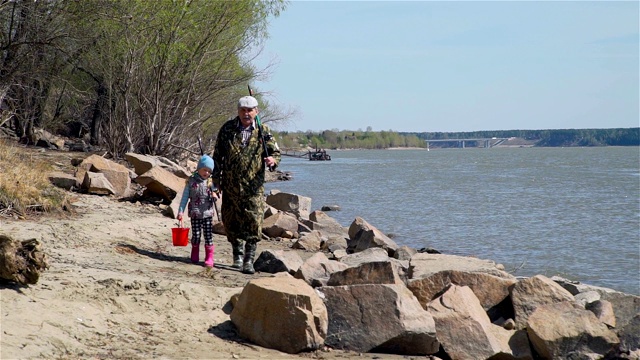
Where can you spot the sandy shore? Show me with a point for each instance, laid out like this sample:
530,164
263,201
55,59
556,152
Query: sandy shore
117,288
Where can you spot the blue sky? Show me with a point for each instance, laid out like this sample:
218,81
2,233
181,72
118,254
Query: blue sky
454,66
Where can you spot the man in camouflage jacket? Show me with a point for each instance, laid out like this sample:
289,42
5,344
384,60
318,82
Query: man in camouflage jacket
239,172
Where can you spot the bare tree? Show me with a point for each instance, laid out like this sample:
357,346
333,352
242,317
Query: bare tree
39,42
144,76
168,68
27,41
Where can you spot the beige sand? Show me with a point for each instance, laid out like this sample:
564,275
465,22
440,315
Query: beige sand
117,288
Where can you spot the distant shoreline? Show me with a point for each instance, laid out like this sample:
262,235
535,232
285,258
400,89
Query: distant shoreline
406,148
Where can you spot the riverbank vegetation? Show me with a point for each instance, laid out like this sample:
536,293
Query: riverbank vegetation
24,184
129,75
336,139
554,137
347,140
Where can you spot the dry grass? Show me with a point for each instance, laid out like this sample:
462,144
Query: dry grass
24,185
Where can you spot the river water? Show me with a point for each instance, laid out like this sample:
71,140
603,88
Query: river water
572,212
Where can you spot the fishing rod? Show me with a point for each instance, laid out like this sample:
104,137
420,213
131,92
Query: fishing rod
200,146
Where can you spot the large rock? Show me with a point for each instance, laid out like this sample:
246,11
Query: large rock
275,261
626,306
576,287
379,318
375,272
281,313
425,264
163,183
120,180
334,243
311,241
328,226
465,331
489,289
317,269
404,253
363,235
373,254
143,163
514,344
532,292
117,175
279,223
64,180
290,203
564,330
603,310
97,183
629,335
44,138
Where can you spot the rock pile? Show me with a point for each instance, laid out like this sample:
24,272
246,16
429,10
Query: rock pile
381,297
360,291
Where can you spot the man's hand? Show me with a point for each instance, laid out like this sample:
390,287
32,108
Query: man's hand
179,217
270,161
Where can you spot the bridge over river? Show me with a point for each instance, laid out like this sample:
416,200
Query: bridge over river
461,143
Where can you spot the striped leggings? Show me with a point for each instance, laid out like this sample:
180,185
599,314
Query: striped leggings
197,225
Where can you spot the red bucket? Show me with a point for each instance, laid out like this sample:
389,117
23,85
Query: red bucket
180,236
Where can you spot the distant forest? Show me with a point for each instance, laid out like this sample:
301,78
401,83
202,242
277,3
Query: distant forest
333,139
563,137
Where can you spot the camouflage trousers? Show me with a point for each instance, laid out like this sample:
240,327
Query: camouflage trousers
242,217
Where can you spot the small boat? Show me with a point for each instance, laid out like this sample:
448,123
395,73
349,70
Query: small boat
319,155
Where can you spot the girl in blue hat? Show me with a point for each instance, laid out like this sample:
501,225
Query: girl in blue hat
200,193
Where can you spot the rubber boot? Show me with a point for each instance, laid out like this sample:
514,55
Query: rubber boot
195,253
249,253
208,255
237,256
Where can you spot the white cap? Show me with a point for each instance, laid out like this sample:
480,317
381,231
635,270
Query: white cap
247,102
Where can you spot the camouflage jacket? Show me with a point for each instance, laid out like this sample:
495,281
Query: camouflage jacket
239,171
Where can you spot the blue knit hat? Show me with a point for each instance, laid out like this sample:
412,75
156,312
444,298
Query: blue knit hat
205,162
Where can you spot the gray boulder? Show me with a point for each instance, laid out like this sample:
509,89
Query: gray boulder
564,330
489,289
378,318
317,269
97,183
530,293
363,235
163,183
278,224
115,174
64,180
297,205
375,272
465,331
275,261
